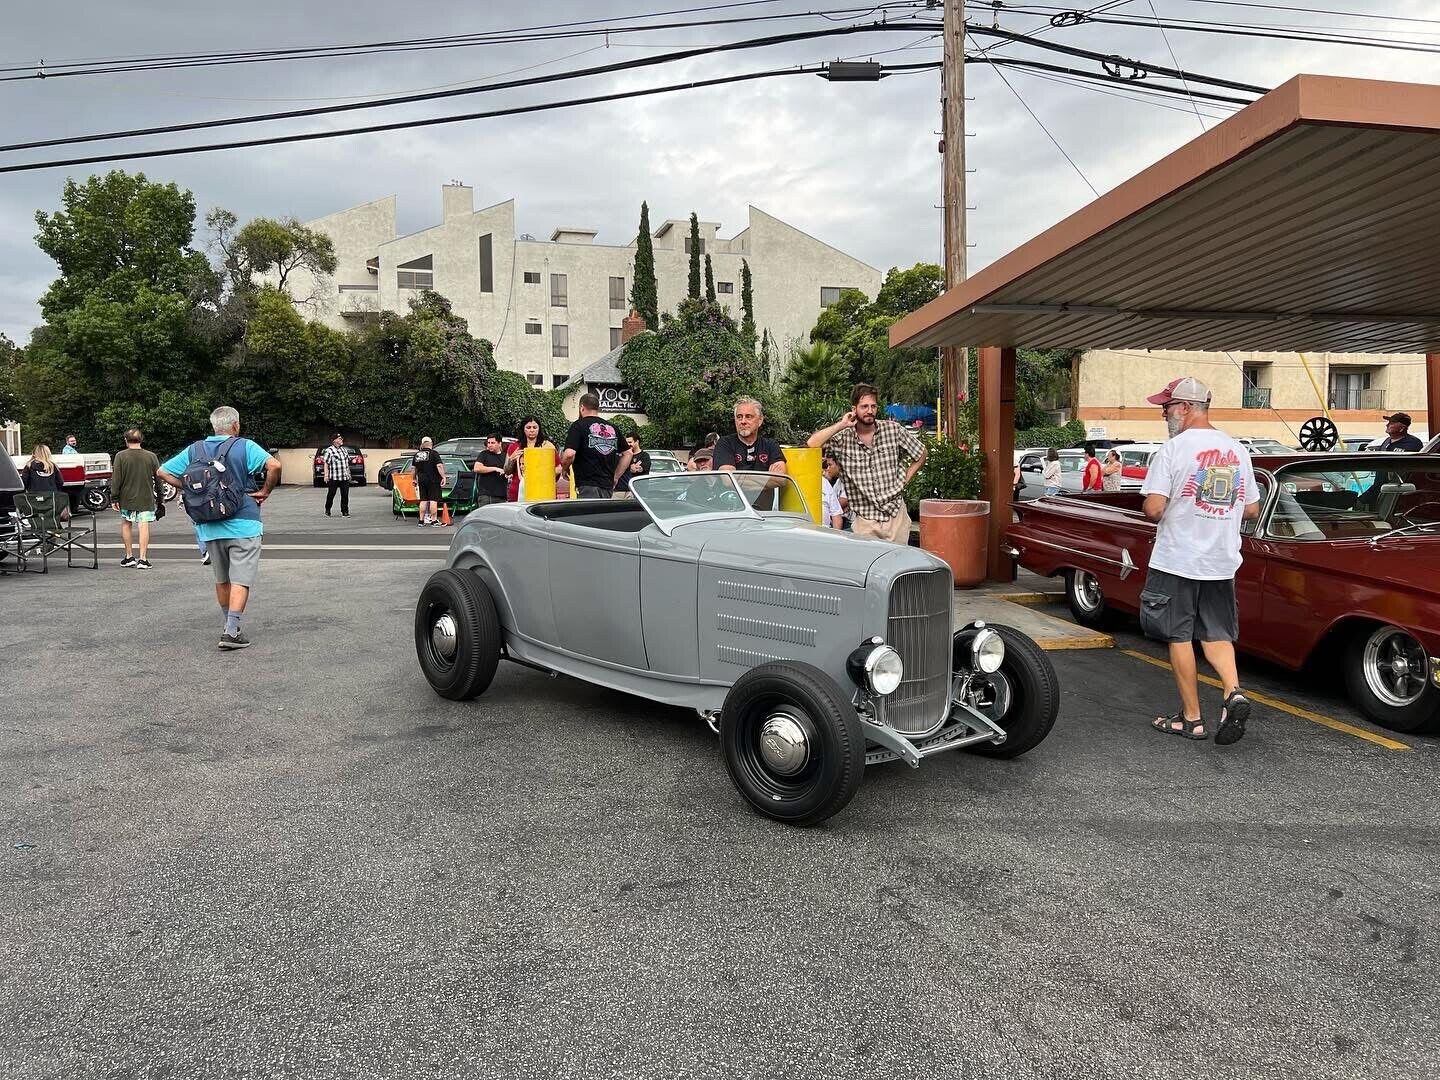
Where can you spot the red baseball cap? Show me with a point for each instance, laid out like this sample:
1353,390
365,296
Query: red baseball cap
1185,388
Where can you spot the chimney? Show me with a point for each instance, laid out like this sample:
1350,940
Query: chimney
456,200
632,325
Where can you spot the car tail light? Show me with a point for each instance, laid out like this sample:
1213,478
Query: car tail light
319,461
357,460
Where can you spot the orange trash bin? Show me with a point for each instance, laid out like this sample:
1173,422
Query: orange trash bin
957,531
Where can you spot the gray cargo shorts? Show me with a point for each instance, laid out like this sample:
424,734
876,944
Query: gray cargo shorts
1175,609
235,560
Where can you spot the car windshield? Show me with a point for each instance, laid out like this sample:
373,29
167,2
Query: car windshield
665,465
1316,502
673,499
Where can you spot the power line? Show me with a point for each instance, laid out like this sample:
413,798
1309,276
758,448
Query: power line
1098,81
1123,93
1176,61
398,125
437,95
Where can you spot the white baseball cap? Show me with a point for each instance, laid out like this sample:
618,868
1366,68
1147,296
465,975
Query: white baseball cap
1186,388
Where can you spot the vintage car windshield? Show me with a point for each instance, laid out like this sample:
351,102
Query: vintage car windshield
1316,502
673,499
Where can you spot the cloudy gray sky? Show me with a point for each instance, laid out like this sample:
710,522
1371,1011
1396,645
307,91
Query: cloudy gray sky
855,165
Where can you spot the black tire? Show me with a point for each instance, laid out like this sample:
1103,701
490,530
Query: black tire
1033,688
834,759
469,669
95,499
1086,599
1371,679
168,492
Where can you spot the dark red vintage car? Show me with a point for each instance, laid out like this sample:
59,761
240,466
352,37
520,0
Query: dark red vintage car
1342,564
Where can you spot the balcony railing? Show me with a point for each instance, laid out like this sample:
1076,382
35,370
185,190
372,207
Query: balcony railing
1363,400
1256,397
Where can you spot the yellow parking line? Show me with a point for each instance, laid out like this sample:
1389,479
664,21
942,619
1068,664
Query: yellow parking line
1285,707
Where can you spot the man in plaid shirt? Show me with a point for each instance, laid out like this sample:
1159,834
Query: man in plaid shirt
869,451
337,475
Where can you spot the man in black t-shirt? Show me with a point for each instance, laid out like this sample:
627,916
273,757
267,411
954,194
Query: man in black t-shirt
592,448
490,472
749,451
639,463
429,480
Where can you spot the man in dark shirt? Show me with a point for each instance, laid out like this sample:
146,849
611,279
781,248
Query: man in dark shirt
749,451
1397,434
490,472
429,481
592,448
132,489
639,463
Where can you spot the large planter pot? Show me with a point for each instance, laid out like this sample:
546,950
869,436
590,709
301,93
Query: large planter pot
958,531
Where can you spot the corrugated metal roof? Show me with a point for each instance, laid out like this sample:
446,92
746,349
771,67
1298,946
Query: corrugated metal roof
1307,221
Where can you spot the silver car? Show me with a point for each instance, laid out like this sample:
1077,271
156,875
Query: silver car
812,653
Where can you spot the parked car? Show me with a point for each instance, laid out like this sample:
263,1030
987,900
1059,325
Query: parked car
1263,446
1032,466
1341,565
85,477
357,466
392,466
812,653
663,461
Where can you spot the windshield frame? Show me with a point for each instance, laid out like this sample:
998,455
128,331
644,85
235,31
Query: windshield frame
668,524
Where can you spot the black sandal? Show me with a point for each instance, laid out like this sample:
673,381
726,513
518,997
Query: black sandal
1188,729
1232,719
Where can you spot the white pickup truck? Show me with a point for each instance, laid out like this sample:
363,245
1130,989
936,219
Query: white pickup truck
86,478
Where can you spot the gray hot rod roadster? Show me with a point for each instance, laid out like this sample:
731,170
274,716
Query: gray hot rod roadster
813,653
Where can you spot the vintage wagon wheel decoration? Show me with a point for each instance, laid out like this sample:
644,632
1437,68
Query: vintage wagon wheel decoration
1319,434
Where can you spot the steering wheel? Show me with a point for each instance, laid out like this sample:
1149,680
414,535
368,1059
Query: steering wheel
1319,435
1408,516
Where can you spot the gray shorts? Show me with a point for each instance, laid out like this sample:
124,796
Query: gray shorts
1176,609
235,560
591,491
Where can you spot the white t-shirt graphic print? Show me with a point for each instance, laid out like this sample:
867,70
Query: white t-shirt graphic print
1208,478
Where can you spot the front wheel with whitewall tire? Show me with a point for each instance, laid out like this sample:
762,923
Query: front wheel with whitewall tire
1387,673
95,499
1023,696
457,634
792,742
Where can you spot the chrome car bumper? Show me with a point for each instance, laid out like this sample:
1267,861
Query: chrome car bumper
1435,672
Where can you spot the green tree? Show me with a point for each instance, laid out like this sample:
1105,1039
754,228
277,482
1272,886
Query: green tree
688,375
263,246
10,357
709,279
816,369
747,304
644,295
694,292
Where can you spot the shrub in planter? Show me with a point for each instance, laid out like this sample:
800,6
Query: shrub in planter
949,472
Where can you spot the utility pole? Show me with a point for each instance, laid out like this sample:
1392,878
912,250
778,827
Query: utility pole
955,361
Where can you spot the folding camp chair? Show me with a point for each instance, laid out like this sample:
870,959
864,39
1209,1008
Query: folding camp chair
42,533
10,486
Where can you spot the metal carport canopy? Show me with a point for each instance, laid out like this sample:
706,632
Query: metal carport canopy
1308,221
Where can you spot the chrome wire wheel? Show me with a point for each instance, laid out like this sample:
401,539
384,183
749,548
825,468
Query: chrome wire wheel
1394,665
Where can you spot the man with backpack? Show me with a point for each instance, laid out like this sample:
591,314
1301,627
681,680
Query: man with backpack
213,478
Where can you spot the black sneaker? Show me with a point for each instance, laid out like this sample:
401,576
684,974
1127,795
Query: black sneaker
205,557
128,561
142,564
234,641
423,523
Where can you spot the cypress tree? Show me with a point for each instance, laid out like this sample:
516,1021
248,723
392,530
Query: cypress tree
644,295
694,256
709,279
747,304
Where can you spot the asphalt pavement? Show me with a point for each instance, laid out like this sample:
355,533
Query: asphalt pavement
297,861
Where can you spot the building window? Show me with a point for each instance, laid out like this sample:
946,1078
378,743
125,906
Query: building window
830,294
724,287
416,274
535,379
532,277
559,340
617,294
487,265
559,291
532,327
1255,386
1350,388
615,333
688,246
556,380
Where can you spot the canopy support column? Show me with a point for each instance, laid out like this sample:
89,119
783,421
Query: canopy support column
1432,393
997,443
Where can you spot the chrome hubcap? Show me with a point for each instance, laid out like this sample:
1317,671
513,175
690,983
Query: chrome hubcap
784,744
1087,590
443,637
1394,665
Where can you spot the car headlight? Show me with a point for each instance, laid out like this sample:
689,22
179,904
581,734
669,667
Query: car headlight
876,666
988,651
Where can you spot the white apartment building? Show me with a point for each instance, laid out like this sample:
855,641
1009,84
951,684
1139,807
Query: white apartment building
551,307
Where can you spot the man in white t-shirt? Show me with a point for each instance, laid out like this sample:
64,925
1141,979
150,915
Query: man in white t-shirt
833,490
1198,489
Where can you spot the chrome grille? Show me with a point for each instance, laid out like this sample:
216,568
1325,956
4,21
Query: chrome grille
921,606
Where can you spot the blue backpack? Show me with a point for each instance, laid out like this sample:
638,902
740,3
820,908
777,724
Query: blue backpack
212,489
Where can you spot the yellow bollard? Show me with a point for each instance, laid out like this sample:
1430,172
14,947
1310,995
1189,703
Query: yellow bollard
538,484
803,463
